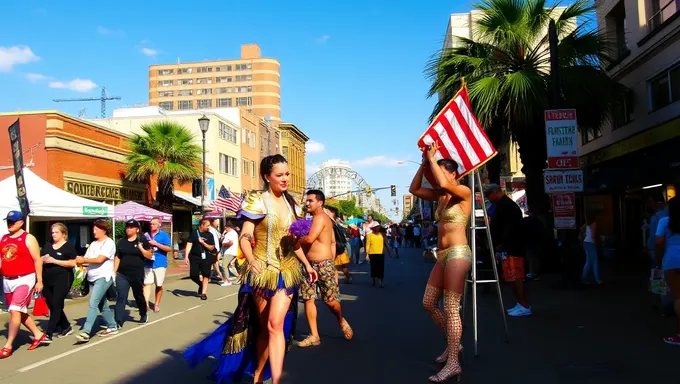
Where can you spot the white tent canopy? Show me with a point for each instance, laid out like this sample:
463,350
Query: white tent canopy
48,202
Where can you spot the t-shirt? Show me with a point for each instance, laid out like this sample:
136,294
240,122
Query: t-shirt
66,252
197,249
506,226
160,257
131,259
375,244
233,237
671,257
104,270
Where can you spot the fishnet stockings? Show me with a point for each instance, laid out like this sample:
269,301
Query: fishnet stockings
431,305
454,330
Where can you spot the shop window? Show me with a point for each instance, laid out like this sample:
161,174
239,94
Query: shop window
587,137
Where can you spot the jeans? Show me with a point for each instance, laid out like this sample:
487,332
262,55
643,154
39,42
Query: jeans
356,249
591,262
123,285
98,304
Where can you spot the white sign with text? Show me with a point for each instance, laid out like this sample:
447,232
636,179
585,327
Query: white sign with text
563,181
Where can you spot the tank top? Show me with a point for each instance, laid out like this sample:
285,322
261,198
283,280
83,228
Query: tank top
588,238
16,259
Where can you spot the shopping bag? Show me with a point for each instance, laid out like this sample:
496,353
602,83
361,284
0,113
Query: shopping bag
40,307
657,283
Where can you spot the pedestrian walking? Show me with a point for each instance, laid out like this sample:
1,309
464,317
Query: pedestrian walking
59,259
201,256
376,246
668,258
590,248
21,267
229,253
154,269
132,252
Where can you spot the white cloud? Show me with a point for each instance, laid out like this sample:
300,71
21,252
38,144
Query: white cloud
376,161
314,147
78,85
35,77
149,51
18,54
109,32
323,39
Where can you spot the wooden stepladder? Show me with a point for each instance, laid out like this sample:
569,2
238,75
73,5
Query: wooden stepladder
476,185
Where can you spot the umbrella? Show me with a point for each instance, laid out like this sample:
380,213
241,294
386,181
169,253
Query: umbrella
354,221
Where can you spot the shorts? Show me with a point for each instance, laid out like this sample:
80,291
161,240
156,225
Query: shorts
18,292
156,275
326,284
342,259
395,244
513,268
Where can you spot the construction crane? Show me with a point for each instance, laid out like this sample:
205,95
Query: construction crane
103,99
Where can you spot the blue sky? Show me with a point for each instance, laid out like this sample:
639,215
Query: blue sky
351,71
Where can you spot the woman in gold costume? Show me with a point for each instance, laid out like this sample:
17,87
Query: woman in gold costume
254,340
453,256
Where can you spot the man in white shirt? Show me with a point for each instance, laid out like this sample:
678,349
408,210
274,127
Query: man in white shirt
216,235
229,251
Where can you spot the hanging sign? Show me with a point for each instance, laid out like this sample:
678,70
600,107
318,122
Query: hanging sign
18,162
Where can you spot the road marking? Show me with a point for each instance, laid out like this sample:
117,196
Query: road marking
109,338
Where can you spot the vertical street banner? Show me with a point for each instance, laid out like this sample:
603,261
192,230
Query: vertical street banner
18,161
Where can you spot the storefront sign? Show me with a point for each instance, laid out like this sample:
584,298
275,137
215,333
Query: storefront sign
561,138
563,181
102,191
95,211
18,161
564,210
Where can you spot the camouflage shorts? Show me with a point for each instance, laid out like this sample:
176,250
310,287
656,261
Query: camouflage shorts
326,284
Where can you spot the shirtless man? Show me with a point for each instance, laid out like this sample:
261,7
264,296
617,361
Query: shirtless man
319,247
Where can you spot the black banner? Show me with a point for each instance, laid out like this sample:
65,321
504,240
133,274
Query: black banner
18,160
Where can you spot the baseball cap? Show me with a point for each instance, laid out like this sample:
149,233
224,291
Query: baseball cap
14,216
132,223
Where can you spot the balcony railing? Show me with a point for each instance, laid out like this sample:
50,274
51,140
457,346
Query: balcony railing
663,14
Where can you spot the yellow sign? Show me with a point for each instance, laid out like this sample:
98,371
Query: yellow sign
103,191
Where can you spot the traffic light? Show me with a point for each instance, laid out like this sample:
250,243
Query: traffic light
393,190
197,188
368,190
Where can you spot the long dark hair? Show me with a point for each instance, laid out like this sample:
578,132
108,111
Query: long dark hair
674,215
266,166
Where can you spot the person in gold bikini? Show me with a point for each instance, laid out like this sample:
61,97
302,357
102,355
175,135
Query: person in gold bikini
264,319
453,255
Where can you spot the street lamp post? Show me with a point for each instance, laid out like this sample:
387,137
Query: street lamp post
203,123
402,162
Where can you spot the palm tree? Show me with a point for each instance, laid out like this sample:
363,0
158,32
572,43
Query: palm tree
507,68
166,150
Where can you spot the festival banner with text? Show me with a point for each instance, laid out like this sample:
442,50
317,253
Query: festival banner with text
18,160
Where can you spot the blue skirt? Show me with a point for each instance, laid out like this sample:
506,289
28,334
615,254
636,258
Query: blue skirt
233,343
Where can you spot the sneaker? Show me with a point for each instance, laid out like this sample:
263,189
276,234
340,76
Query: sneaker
65,332
225,283
83,337
520,311
47,340
513,308
673,340
108,332
144,319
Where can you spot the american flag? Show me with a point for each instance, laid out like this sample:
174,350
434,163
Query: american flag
226,201
459,136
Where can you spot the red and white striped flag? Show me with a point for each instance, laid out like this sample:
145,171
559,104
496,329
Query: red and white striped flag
459,136
226,201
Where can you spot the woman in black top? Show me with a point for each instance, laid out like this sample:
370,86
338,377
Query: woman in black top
59,259
128,267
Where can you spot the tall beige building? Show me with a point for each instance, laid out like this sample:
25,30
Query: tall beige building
251,82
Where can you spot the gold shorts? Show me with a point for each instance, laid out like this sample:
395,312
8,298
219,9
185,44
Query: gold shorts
455,252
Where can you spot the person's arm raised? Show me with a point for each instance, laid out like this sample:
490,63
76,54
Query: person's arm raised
451,186
417,189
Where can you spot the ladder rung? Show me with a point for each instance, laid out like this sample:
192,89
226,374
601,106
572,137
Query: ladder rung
480,227
482,281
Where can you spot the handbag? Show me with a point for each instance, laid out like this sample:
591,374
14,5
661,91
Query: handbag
657,283
40,307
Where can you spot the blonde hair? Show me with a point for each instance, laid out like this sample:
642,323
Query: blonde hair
61,227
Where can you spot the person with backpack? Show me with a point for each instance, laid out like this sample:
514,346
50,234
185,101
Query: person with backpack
341,255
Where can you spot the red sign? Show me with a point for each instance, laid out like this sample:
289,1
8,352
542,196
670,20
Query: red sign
563,162
564,210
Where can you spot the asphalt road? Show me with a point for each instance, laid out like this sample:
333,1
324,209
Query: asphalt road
574,337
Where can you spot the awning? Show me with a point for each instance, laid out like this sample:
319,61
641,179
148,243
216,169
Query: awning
188,198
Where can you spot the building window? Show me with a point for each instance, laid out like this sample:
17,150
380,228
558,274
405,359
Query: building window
252,167
165,83
243,89
167,105
204,80
243,67
228,165
244,137
185,104
185,92
165,72
185,82
223,68
587,137
244,167
223,79
244,78
223,90
263,143
206,91
251,139
285,152
223,103
166,93
664,88
228,133
662,11
244,101
204,69
184,71
623,111
207,103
